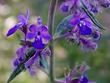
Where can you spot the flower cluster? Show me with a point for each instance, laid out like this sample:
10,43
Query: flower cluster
35,36
80,27
94,6
85,31
77,75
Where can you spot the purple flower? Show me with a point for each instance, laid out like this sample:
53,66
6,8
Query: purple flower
88,44
21,51
83,24
15,63
31,64
84,32
20,56
66,6
36,36
104,3
22,24
46,51
96,35
38,44
35,61
70,5
94,6
40,34
77,75
84,79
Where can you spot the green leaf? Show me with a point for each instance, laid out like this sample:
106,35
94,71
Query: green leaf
64,26
91,16
43,62
21,67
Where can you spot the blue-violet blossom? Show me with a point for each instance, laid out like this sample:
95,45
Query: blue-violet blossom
22,24
77,75
37,37
94,6
84,32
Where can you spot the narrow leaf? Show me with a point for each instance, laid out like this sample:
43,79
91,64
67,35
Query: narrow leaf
43,62
91,16
64,26
21,66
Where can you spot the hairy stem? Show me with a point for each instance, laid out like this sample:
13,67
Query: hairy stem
51,15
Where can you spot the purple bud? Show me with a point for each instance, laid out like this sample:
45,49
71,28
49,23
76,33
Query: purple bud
14,29
15,63
96,35
66,6
39,20
88,44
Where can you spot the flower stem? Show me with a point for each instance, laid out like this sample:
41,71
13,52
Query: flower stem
51,15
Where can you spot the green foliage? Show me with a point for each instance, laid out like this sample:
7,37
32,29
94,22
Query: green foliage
64,26
21,67
91,16
43,62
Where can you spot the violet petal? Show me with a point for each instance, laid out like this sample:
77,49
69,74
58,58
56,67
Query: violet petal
85,30
33,28
83,80
14,29
38,44
22,19
30,35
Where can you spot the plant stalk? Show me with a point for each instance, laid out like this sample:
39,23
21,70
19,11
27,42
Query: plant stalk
51,16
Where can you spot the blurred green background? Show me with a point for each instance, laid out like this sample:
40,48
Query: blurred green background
66,55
